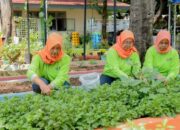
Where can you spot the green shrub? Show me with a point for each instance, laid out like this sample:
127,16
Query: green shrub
102,107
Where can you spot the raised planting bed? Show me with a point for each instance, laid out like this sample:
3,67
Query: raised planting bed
16,81
15,86
21,84
6,73
105,107
87,65
149,123
75,67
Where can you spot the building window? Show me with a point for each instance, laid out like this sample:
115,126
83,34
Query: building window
59,23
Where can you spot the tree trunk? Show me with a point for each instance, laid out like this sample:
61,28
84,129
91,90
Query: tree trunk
104,20
141,23
6,17
159,12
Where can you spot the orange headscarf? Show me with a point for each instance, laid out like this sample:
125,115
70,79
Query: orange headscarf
163,34
53,40
118,46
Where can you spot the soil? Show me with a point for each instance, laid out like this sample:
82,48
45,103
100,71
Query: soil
75,82
15,87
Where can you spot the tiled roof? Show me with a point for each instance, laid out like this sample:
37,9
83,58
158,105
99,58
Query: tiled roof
68,2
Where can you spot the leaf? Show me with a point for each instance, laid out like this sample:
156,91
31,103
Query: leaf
144,90
135,82
162,90
152,96
156,83
164,123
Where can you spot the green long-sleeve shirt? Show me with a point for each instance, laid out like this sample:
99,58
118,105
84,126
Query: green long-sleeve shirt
56,73
116,66
167,64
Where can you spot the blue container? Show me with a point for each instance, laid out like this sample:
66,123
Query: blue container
103,57
96,39
176,1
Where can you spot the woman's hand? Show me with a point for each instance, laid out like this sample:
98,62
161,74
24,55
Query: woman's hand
160,77
45,89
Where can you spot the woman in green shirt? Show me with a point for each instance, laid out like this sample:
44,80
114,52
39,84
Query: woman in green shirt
162,58
50,67
122,59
